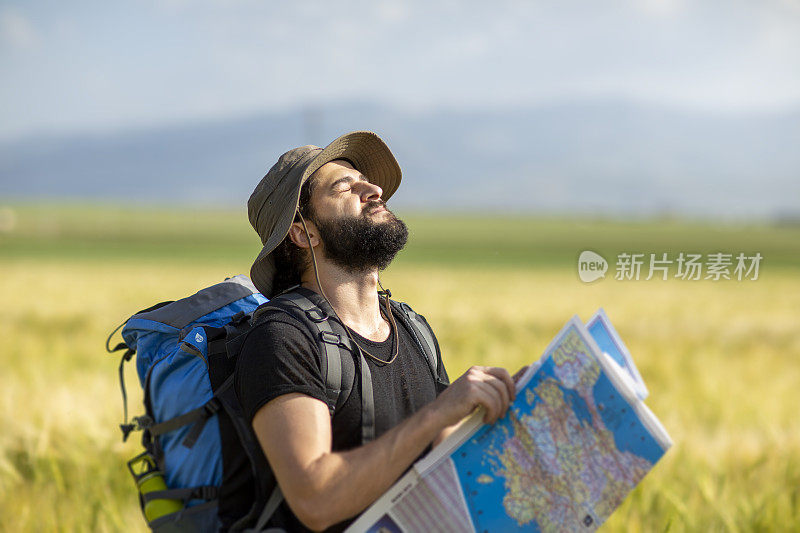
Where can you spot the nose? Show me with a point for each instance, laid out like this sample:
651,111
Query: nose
370,192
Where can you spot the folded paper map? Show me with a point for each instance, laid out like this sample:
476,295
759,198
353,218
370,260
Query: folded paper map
609,341
575,442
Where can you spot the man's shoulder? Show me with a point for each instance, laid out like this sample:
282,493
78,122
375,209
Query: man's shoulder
275,327
270,316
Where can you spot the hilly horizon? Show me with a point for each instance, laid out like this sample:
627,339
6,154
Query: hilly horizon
598,157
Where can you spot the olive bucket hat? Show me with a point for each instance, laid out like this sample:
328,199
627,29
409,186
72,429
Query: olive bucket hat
272,206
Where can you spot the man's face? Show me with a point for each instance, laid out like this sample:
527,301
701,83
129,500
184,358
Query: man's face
358,233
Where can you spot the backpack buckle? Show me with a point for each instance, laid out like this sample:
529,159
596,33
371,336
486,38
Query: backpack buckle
330,338
315,314
206,493
211,408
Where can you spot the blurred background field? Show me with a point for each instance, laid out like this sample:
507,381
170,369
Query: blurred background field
132,133
720,358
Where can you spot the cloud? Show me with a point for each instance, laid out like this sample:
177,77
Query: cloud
16,30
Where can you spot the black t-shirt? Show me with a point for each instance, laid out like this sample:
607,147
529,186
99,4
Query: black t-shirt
281,356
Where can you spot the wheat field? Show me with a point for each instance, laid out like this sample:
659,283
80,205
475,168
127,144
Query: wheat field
721,359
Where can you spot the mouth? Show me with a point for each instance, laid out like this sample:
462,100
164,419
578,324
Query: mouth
375,209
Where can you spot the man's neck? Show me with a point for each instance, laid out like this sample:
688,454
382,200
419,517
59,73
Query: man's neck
354,297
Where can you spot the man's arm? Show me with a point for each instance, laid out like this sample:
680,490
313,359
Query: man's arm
324,487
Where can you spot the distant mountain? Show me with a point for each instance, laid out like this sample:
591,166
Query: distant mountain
596,157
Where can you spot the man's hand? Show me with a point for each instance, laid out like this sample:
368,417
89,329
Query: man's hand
481,386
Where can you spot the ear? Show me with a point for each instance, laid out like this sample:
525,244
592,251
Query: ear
298,236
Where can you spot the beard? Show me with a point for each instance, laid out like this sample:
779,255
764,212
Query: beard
358,243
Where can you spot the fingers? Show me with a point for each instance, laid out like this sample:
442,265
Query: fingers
503,375
487,397
497,391
489,387
500,390
520,373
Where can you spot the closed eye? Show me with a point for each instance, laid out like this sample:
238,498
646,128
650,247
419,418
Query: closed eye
345,183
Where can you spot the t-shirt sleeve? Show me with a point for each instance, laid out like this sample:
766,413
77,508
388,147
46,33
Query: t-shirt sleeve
278,357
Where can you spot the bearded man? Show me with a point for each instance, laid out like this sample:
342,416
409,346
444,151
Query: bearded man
326,235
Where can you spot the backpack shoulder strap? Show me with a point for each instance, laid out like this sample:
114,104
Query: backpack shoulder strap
338,359
422,333
333,343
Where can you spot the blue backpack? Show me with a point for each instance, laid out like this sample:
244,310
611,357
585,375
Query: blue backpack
199,448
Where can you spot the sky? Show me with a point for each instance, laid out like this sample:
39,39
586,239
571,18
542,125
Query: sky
83,66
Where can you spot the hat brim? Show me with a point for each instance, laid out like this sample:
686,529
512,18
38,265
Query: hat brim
367,153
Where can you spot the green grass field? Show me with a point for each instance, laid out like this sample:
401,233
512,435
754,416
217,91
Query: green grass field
721,359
